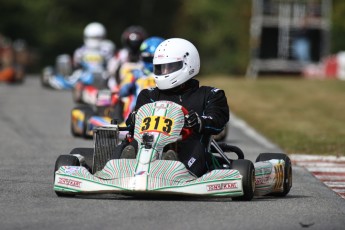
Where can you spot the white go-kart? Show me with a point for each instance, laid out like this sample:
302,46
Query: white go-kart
93,171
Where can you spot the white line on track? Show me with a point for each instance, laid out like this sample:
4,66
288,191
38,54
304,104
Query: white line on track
249,131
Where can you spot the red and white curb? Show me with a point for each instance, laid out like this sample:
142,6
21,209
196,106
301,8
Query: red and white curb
329,169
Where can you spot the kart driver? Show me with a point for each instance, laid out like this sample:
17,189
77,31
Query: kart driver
139,78
176,61
127,57
95,44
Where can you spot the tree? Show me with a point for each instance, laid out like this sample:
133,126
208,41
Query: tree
220,29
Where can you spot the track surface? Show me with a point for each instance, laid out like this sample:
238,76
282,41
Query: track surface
34,131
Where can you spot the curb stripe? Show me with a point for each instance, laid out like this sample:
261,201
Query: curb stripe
328,169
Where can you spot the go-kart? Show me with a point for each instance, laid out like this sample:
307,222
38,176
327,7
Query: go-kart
90,85
85,118
62,77
93,171
12,75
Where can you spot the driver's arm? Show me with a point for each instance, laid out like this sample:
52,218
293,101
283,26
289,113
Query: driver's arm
142,99
216,112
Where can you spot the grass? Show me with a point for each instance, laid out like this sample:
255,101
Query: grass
301,116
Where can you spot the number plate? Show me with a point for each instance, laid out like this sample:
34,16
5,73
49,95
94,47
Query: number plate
159,124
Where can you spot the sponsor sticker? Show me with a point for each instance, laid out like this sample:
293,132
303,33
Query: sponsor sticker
262,180
191,162
69,182
207,117
70,170
215,90
160,106
221,186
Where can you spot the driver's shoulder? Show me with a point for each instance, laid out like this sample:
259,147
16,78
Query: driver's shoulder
210,89
149,92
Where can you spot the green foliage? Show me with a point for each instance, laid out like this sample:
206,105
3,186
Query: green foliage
338,26
56,26
220,29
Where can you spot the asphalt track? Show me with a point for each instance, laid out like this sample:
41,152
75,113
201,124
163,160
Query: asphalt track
34,131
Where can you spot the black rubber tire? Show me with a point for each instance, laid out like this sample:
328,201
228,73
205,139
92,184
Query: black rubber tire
65,160
88,111
88,114
222,135
87,153
73,132
77,96
232,148
246,169
287,170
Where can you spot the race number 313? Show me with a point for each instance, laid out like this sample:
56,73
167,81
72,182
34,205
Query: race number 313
156,124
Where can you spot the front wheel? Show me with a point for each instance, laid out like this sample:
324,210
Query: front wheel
87,112
87,154
65,160
287,170
246,169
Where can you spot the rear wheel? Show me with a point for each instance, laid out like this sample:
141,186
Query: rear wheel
232,149
287,170
65,160
218,160
222,135
246,169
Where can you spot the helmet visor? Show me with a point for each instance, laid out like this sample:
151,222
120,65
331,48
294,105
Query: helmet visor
163,69
94,37
147,57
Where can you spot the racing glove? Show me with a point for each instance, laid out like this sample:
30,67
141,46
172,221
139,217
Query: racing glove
130,122
192,120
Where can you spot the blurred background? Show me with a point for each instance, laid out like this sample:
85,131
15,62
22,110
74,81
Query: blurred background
288,40
238,37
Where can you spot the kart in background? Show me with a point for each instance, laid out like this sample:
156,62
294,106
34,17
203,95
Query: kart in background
87,89
12,75
63,77
92,170
85,118
14,58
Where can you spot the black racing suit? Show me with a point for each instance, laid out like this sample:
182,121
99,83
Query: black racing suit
210,104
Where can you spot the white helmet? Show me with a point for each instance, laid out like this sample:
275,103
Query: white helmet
94,33
175,61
